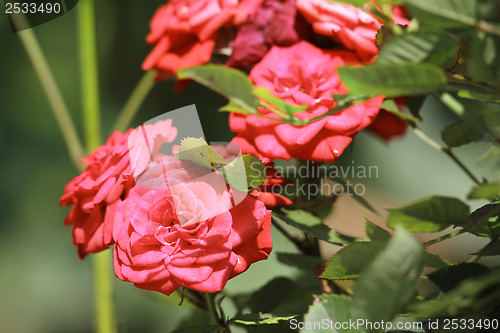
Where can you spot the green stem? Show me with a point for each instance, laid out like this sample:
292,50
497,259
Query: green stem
58,106
212,311
103,292
101,263
445,150
134,102
89,74
444,237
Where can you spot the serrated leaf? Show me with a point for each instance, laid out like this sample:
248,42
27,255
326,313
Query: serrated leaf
450,277
491,249
389,281
435,261
261,318
374,232
328,308
430,214
245,172
229,82
199,152
351,260
460,133
301,261
484,221
197,329
485,191
444,13
393,80
418,47
464,296
310,224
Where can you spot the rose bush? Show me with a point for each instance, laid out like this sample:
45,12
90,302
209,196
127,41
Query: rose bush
106,180
186,233
302,74
184,32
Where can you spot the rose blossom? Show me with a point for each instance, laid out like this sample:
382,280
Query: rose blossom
184,32
273,183
346,24
186,234
107,179
388,125
302,74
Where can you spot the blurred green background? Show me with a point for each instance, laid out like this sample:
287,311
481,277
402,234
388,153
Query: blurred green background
43,285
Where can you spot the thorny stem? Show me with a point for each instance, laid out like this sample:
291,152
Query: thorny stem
444,237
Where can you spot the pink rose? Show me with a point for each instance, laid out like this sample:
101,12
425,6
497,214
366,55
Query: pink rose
184,234
346,24
387,125
184,32
302,74
107,179
274,182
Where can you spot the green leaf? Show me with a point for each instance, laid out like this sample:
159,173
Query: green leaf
278,102
374,232
270,295
484,64
359,199
415,104
328,308
460,133
485,191
301,261
393,80
433,260
491,249
197,329
479,95
230,83
450,277
245,172
261,318
310,224
417,47
390,106
444,13
467,294
484,221
429,214
357,3
351,260
199,152
389,281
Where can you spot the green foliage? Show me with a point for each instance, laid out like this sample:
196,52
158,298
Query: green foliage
491,249
301,261
460,133
417,47
199,152
393,80
270,295
331,309
261,318
229,82
484,221
374,232
485,191
484,65
435,261
429,215
351,260
444,13
310,224
389,281
448,278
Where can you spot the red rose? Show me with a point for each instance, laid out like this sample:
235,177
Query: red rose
387,125
184,235
302,74
267,191
108,177
346,24
183,32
